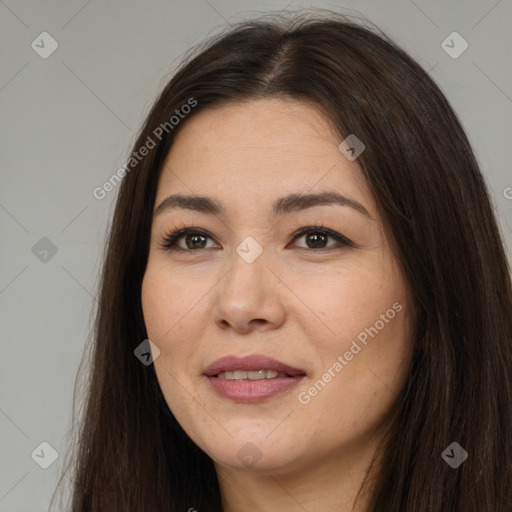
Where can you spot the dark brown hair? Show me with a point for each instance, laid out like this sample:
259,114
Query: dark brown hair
131,453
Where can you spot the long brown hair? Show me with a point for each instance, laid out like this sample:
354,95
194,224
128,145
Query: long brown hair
132,455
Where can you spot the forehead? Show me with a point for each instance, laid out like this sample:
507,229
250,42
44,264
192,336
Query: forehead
262,128
260,148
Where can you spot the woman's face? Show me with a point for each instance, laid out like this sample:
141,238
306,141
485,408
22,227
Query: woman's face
332,312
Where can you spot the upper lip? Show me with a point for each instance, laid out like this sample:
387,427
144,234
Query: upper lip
248,363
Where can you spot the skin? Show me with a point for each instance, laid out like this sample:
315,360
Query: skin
296,303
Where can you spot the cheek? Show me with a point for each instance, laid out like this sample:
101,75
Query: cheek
364,320
155,303
170,325
175,316
347,303
166,304
363,380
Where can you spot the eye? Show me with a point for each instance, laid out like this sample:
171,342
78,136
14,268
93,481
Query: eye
316,237
191,239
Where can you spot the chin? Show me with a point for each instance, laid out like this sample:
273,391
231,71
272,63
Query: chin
255,452
251,458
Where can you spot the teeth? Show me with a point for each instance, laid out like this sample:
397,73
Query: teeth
257,375
251,375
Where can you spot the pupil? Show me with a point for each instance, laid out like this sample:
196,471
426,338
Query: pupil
315,238
194,238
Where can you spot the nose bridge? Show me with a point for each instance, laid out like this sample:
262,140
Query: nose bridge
247,292
248,271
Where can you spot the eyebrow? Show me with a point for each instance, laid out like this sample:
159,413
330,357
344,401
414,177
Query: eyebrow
282,206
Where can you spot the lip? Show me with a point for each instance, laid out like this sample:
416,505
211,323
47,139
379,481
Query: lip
253,362
251,391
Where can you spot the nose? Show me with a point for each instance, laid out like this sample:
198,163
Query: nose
248,297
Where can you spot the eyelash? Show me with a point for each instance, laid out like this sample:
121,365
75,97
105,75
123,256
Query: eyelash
168,242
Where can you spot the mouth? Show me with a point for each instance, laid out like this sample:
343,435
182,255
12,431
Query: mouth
252,375
253,378
255,367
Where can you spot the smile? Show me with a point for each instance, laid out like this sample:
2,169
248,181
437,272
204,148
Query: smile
252,378
251,375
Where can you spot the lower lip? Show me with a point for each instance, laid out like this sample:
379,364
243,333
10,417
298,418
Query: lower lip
250,391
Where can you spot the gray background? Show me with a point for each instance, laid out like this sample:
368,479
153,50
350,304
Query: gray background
68,123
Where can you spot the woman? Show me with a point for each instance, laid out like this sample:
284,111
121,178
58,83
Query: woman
308,242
